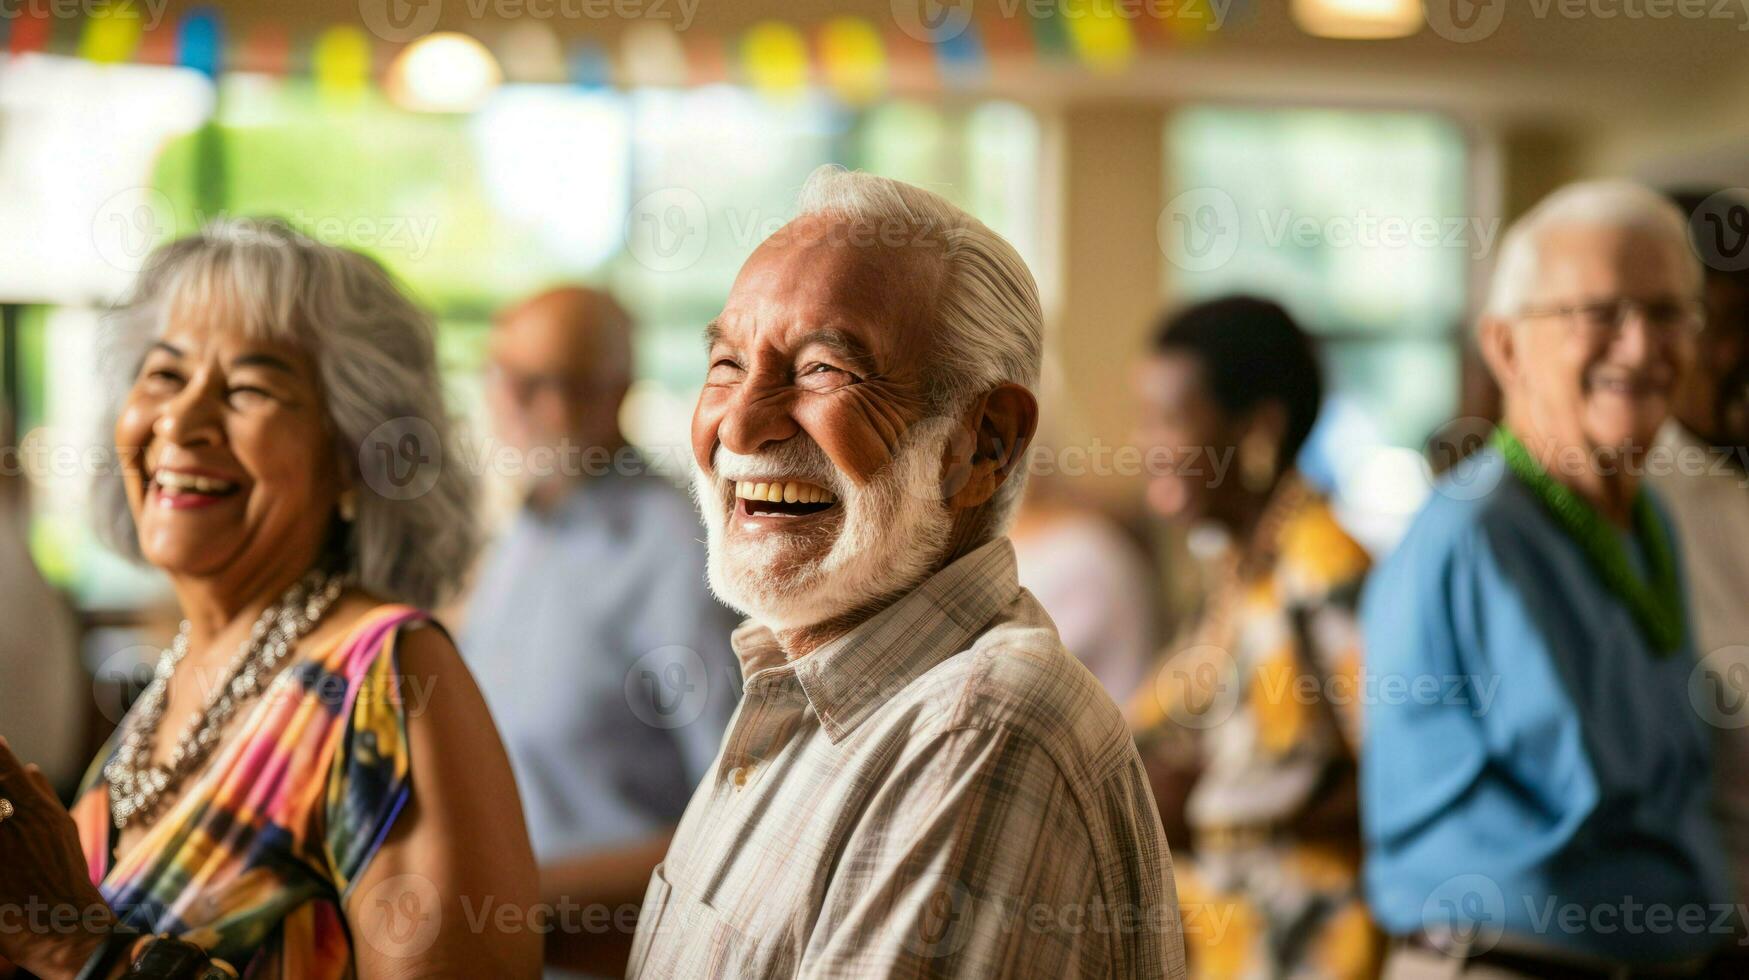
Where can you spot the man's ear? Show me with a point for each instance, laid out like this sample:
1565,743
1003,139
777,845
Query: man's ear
1000,427
1498,344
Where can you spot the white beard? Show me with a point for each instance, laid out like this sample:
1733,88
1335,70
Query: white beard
892,533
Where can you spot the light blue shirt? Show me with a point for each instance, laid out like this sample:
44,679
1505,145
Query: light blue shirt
1549,777
605,661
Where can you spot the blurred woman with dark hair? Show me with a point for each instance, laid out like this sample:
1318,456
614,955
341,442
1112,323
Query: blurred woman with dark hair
1248,723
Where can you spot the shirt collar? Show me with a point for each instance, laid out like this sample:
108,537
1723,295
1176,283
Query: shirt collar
846,679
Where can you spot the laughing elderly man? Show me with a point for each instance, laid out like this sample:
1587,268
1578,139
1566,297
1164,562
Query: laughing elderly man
1562,827
920,780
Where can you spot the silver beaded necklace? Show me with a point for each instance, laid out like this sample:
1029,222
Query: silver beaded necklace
136,786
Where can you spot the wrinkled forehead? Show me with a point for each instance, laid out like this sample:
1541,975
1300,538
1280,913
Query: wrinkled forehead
819,273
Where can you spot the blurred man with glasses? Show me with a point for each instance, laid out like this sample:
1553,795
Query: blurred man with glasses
1536,778
600,651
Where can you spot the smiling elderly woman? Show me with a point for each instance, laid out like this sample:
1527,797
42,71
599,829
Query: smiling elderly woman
311,786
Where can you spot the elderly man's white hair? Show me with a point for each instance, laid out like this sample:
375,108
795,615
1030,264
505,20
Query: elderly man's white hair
988,321
1618,204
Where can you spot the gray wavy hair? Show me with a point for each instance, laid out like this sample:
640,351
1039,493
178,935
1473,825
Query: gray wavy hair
988,319
414,534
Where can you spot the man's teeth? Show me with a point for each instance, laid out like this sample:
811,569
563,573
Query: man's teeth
791,492
188,482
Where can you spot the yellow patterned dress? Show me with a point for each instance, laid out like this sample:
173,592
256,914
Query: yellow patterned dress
1258,704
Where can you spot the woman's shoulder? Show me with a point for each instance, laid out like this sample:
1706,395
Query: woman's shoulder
364,628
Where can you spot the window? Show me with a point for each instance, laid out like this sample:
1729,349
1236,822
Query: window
1361,224
657,194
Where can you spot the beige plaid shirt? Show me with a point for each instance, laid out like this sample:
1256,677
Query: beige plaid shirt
944,791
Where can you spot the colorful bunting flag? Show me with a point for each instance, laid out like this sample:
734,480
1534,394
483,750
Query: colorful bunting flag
852,60
707,60
1100,35
111,35
266,48
849,56
341,61
962,57
650,54
774,58
30,32
200,44
590,66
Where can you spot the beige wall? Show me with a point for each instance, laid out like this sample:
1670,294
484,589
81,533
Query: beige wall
1110,273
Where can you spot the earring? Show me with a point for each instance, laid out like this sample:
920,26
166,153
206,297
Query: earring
1257,463
349,506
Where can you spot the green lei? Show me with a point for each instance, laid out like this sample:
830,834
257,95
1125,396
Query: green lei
1656,606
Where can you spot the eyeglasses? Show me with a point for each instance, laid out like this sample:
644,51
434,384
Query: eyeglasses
1666,317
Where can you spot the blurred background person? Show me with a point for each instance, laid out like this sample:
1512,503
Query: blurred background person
311,743
1559,762
1136,155
591,629
1247,726
1092,578
1703,483
1081,564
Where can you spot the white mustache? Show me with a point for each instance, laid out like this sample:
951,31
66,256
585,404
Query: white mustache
798,459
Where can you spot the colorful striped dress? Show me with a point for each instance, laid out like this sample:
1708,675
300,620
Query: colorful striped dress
254,859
